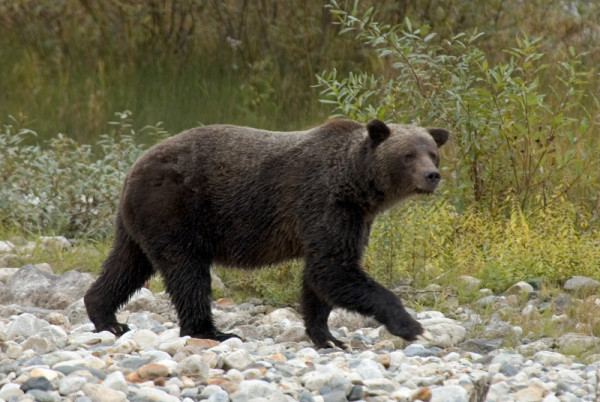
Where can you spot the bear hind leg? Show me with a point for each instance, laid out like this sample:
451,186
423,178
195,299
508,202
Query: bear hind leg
125,270
188,283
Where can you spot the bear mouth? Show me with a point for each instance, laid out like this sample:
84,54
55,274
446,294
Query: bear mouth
424,191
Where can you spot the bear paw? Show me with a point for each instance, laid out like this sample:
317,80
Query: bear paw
407,330
216,336
116,328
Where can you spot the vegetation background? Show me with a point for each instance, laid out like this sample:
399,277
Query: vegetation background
86,87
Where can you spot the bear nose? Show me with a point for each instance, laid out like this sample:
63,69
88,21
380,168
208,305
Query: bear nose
432,177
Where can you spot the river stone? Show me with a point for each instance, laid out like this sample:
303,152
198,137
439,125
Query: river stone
251,389
548,358
31,287
581,284
239,360
193,366
519,288
72,384
100,393
449,393
116,380
36,383
25,325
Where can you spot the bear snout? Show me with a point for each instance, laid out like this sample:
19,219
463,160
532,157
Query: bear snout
432,177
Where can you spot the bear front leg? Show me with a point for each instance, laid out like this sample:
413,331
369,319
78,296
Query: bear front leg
350,288
316,312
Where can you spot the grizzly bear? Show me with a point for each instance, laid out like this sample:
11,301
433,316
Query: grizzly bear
243,197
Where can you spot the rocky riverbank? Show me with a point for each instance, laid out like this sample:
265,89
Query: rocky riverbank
49,352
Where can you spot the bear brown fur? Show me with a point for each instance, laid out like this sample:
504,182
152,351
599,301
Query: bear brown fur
243,197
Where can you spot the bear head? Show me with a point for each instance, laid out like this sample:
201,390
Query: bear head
406,158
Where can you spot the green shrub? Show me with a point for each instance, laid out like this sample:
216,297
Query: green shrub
64,187
511,136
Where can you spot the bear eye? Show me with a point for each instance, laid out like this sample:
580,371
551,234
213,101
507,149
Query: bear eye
409,156
433,155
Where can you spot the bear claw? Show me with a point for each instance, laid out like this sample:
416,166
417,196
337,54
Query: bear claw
117,329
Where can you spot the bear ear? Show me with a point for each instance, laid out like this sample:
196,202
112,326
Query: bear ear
440,135
378,130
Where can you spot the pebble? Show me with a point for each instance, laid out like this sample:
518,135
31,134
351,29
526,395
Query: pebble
51,354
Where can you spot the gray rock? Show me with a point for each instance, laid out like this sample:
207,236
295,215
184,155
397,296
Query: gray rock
497,329
142,320
44,396
306,396
508,369
511,358
335,395
31,287
41,383
469,283
519,288
449,393
416,349
72,384
193,366
577,344
356,393
581,284
445,332
548,358
296,333
367,368
219,396
480,345
258,389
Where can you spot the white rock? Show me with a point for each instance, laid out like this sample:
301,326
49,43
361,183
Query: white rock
100,393
173,346
282,317
71,384
369,369
10,390
91,338
154,394
7,273
449,393
193,366
145,338
548,358
307,354
6,246
519,288
510,358
258,389
239,360
25,325
445,332
116,380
